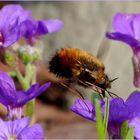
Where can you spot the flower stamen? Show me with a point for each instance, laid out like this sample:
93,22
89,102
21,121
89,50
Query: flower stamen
13,137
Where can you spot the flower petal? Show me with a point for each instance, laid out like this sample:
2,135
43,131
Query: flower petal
9,128
11,17
84,108
7,89
33,92
133,103
134,44
32,28
12,11
6,79
28,28
33,132
136,26
118,111
4,131
53,25
11,35
123,23
18,125
136,124
42,28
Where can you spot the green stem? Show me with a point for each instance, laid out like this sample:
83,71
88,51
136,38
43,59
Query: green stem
28,72
33,81
26,81
31,104
106,114
99,120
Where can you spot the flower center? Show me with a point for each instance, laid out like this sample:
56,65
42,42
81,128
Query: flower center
13,137
1,39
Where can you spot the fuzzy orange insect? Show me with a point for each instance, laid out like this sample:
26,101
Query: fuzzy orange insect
80,67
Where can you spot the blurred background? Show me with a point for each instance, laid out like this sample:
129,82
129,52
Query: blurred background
85,25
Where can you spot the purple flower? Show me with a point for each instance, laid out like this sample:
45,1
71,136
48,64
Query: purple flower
33,29
11,16
19,129
16,22
14,100
127,29
119,111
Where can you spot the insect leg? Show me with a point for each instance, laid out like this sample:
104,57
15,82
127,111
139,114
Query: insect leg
92,86
97,89
75,91
111,93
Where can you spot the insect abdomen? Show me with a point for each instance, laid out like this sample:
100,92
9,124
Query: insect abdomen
56,66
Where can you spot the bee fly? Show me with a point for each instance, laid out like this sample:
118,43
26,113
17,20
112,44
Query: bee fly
80,67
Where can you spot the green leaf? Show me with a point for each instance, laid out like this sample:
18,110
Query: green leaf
124,129
106,114
130,134
100,125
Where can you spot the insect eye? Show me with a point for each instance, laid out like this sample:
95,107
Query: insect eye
85,66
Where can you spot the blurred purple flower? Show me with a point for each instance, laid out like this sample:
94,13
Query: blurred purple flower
11,16
16,22
19,129
127,29
33,29
119,111
14,100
